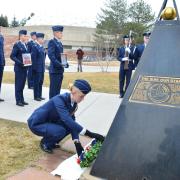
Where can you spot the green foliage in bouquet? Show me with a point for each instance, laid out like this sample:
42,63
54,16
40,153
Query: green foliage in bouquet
90,154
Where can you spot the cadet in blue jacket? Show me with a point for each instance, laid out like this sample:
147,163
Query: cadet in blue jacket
38,66
29,73
55,119
56,70
126,57
141,47
20,70
2,60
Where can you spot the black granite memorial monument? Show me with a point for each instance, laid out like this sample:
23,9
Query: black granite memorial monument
143,142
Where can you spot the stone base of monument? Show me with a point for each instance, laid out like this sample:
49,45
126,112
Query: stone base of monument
87,176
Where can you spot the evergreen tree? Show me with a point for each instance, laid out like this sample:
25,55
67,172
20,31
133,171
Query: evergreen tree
4,21
113,16
141,12
14,22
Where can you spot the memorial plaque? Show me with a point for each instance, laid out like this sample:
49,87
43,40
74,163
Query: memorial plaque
164,91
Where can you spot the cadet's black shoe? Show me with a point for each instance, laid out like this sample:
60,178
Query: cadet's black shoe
1,100
56,146
37,99
42,98
45,148
121,96
25,103
20,104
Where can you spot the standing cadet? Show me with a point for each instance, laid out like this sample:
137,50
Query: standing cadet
38,66
55,119
29,74
2,59
56,69
125,56
19,49
141,47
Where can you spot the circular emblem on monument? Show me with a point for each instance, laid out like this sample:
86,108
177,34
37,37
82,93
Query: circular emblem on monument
159,93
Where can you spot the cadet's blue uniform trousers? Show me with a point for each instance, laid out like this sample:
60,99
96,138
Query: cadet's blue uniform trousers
38,83
2,58
1,75
20,81
30,77
55,84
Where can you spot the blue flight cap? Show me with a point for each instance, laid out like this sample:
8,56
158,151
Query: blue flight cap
57,28
126,37
147,34
82,85
23,32
40,35
33,33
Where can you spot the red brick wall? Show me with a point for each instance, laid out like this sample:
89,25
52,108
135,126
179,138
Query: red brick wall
8,44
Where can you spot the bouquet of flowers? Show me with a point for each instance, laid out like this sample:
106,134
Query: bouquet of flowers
90,154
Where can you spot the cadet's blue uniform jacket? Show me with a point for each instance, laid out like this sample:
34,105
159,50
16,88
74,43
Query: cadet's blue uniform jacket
30,44
16,56
38,58
140,49
55,48
121,55
2,58
58,111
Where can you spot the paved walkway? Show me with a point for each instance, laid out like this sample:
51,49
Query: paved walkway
96,112
73,68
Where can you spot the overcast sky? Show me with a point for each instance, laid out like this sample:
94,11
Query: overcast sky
65,12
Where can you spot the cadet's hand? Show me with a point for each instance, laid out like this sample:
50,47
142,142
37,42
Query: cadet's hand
22,65
79,147
94,135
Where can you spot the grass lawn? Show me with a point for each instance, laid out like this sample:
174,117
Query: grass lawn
101,81
19,147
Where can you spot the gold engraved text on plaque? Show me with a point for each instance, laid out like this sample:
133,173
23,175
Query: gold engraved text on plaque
163,91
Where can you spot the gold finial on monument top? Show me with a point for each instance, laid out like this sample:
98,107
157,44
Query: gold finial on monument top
168,13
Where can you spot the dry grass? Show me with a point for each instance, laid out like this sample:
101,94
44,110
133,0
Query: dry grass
19,147
101,82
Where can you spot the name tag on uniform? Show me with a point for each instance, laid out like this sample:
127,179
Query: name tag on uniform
64,59
27,59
